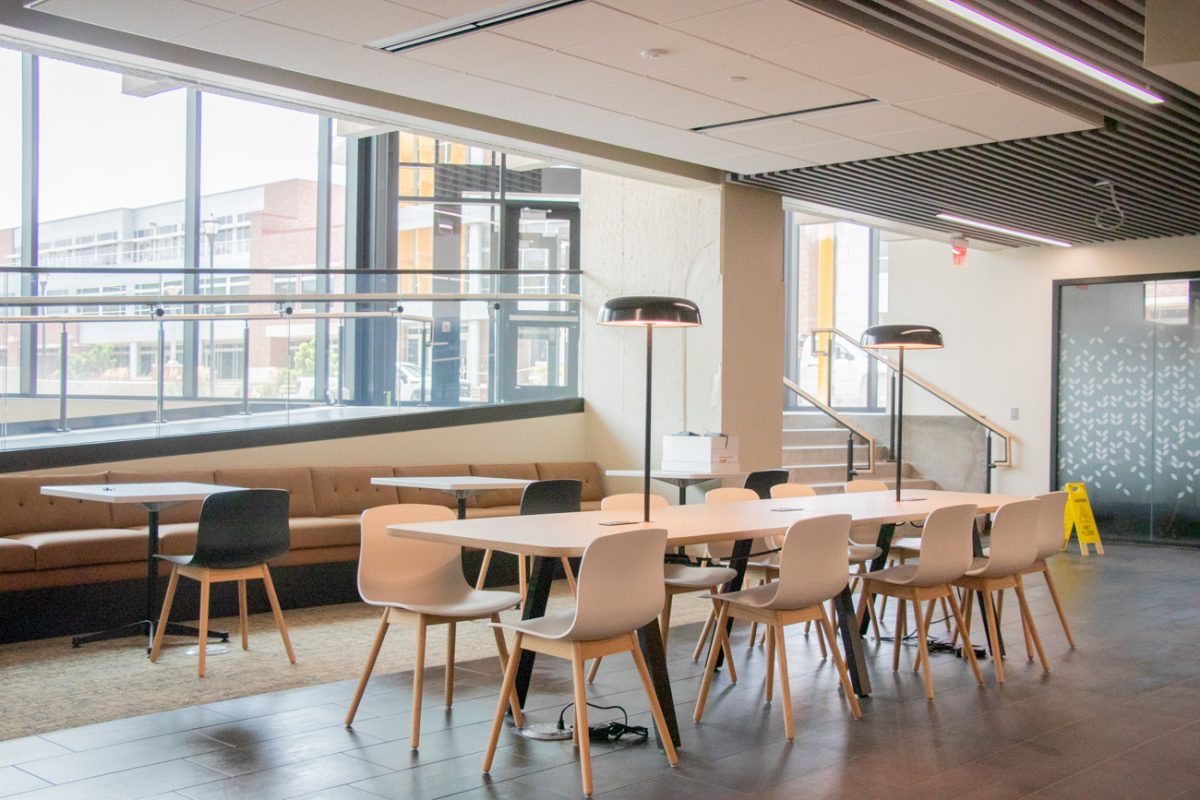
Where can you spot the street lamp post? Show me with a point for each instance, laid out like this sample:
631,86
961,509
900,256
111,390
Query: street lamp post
210,227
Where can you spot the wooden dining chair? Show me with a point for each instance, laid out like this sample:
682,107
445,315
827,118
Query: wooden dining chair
945,557
407,576
238,533
812,571
1049,542
603,622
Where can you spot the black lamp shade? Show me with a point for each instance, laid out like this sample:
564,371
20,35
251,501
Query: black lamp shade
901,337
666,312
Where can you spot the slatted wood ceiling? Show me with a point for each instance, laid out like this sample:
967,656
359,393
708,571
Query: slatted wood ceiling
1044,185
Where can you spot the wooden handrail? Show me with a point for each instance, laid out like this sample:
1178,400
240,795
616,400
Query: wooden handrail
957,405
857,430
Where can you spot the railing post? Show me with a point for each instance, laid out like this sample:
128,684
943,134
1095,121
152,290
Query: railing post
850,471
246,369
62,380
162,366
892,415
988,465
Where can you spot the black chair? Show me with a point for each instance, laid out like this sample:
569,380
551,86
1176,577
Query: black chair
551,497
762,481
239,532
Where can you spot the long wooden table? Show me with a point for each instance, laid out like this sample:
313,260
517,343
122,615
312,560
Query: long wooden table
549,537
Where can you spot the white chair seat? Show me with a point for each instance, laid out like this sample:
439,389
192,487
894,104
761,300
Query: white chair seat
551,626
899,575
471,604
680,575
907,543
978,565
756,596
861,553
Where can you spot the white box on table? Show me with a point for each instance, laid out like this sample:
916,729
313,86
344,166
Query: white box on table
700,453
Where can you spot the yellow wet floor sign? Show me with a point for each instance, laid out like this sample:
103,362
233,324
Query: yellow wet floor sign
1079,516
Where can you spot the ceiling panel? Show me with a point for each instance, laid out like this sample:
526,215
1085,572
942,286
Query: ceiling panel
264,42
232,6
769,88
916,82
998,114
759,162
869,121
764,25
667,11
640,96
448,8
939,137
775,135
625,51
555,73
158,19
709,113
574,25
470,53
837,151
471,91
364,66
354,21
843,56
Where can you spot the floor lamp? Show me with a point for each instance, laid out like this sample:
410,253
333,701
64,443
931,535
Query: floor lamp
649,312
901,338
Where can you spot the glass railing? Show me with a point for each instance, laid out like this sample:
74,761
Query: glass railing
113,354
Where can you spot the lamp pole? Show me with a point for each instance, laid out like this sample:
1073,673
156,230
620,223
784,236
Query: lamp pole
210,227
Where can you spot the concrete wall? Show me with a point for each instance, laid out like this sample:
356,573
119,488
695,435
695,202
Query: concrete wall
542,439
995,315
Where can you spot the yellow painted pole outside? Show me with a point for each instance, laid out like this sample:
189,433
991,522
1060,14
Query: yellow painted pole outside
826,291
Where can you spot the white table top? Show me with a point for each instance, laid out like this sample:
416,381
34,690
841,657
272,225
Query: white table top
164,492
672,475
569,534
454,483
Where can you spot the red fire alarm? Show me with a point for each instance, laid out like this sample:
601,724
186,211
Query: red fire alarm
958,251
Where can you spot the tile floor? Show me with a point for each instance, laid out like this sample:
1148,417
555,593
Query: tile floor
1119,717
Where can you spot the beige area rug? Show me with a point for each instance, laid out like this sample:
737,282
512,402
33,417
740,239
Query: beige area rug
49,685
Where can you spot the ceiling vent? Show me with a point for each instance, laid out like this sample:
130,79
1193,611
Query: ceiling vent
464,25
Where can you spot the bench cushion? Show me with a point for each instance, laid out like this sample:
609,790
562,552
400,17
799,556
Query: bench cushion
309,532
132,515
177,538
348,490
586,472
16,556
503,497
297,481
27,510
432,497
82,548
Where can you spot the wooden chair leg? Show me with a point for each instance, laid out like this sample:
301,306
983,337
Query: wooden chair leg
655,706
513,704
450,637
1030,628
243,615
570,573
710,666
581,717
1062,616
204,587
928,621
730,669
506,692
840,663
523,578
898,635
664,621
165,615
968,650
591,676
923,648
483,569
704,632
785,689
946,614
419,683
770,636
278,612
370,667
821,642
989,609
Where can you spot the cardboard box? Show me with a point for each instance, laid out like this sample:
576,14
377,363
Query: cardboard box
700,453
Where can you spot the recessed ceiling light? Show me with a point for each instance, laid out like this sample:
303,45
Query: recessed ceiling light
1041,48
870,101
460,25
737,78
653,53
987,226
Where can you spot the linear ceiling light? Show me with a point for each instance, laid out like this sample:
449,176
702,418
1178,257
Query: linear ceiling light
987,226
1043,49
870,101
460,26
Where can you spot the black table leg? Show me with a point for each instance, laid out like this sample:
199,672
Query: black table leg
535,606
683,494
737,560
462,505
998,647
884,543
650,638
856,662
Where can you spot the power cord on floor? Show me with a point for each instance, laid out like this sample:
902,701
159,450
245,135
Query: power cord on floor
607,731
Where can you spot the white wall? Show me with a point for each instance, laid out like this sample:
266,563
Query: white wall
541,439
995,315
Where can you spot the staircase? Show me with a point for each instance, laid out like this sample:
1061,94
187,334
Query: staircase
814,452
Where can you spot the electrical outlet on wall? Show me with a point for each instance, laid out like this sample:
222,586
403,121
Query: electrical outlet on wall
1014,413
